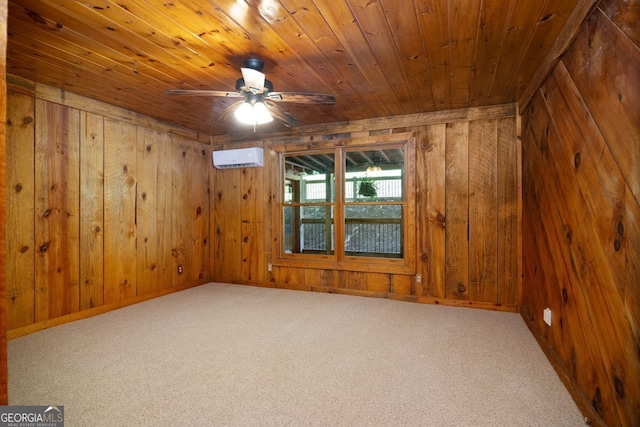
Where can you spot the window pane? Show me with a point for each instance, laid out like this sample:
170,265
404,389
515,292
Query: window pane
374,175
309,178
373,230
308,229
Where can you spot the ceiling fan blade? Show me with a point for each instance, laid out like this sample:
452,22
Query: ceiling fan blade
278,113
302,98
197,92
253,80
227,112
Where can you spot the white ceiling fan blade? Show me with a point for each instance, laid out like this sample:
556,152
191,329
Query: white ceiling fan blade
253,80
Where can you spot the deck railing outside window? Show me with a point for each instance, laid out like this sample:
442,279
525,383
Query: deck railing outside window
370,230
363,236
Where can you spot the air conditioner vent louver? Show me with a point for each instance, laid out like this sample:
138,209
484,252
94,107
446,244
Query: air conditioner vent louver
238,158
237,165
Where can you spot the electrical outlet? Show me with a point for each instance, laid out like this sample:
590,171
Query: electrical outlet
418,278
269,267
546,316
180,269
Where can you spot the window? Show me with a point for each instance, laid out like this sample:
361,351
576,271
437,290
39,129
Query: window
309,199
348,206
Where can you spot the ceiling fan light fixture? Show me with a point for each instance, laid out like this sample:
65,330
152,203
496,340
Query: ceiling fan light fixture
253,114
261,113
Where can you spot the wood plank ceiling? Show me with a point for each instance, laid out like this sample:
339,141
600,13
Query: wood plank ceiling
378,58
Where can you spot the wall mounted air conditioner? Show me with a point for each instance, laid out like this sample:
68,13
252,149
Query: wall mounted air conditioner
238,158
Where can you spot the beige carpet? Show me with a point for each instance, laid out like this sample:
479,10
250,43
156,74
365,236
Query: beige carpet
229,355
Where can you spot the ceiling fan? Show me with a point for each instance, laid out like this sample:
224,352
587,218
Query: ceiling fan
258,103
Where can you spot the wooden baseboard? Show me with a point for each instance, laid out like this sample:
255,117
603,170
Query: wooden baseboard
396,297
469,304
29,329
584,404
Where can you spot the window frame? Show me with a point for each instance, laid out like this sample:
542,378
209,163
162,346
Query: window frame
339,260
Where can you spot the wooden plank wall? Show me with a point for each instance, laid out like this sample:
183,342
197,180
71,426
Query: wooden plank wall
4,397
581,173
103,206
466,214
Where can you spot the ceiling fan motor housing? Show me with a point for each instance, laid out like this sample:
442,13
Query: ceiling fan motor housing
268,86
253,63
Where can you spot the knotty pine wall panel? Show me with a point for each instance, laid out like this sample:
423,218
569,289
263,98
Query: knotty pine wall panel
103,205
252,223
483,215
120,210
20,231
553,278
183,249
226,220
4,395
91,210
509,205
164,217
202,162
457,211
153,204
466,187
57,203
581,225
430,202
